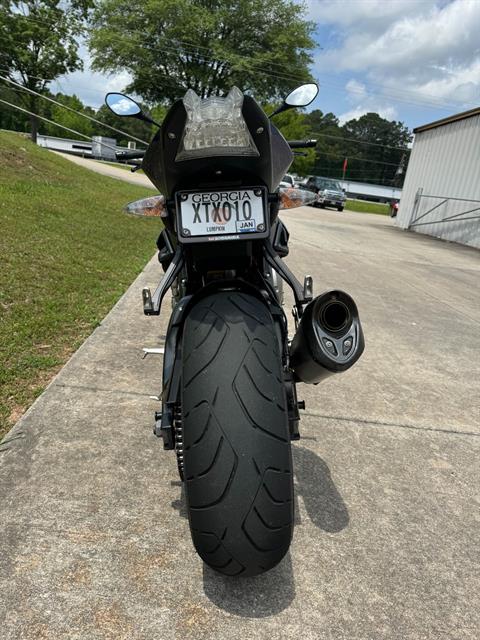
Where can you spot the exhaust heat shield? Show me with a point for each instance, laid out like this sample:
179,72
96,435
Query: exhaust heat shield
329,338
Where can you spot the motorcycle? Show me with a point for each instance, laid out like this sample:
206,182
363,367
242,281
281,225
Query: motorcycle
229,401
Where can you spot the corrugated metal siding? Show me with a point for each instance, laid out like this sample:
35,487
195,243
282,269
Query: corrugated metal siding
445,161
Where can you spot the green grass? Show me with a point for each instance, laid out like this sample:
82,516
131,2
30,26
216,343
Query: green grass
67,253
367,207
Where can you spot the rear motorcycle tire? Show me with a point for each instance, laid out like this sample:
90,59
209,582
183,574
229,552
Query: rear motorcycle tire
237,453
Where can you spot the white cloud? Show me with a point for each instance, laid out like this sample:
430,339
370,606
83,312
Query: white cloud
356,90
364,102
387,112
90,86
374,15
416,51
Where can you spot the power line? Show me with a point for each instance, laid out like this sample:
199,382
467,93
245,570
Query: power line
439,104
36,115
337,138
31,113
26,74
169,50
362,181
276,74
349,171
191,45
43,22
353,158
373,144
64,106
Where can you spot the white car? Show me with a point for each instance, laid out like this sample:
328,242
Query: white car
288,181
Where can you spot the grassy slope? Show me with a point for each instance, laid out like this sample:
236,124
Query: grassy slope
67,253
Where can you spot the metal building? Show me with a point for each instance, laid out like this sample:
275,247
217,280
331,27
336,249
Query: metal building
371,192
441,194
104,148
100,147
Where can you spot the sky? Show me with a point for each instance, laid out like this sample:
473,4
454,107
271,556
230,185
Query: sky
410,60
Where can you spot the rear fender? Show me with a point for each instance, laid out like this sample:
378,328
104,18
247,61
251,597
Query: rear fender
172,358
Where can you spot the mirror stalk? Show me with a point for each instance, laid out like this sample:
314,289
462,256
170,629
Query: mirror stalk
302,96
283,107
143,116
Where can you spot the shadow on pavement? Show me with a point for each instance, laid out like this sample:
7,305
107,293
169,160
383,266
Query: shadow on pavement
274,591
180,504
324,504
256,597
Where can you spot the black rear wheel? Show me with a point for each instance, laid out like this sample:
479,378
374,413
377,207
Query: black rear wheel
237,455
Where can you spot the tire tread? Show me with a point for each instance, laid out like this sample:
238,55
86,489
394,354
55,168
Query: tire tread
238,468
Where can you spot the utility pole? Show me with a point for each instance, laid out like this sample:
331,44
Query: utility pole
400,169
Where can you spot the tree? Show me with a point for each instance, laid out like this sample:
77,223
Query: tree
169,46
11,118
321,122
374,147
378,160
293,125
325,127
69,119
132,126
39,43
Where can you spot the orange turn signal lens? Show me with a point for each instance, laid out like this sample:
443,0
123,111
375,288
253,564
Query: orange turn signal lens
291,198
152,207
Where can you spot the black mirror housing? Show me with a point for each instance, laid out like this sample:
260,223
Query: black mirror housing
302,96
122,105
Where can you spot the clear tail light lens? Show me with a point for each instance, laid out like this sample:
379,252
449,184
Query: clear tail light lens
215,127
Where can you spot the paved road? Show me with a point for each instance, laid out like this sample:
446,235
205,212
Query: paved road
109,170
95,543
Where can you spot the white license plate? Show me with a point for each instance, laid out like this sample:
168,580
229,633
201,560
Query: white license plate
230,214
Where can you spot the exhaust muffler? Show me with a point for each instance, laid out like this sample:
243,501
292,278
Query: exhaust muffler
329,338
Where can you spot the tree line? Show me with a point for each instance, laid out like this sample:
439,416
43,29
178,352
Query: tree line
262,46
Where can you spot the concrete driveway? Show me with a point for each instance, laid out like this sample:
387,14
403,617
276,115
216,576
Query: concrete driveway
95,543
107,169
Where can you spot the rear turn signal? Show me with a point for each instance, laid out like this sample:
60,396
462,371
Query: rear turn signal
291,198
152,207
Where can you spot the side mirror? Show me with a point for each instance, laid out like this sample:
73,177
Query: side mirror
300,97
122,105
126,107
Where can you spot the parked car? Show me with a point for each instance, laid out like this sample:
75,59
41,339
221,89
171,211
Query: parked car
287,181
329,192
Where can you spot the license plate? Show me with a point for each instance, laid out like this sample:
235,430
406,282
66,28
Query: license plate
232,214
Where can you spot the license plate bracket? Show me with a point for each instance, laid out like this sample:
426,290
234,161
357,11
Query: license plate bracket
222,214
